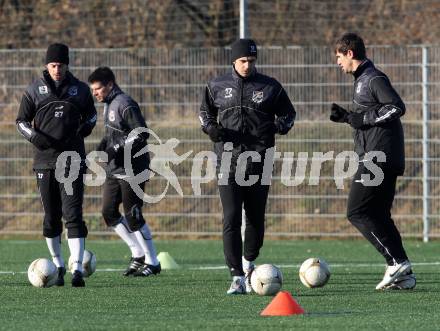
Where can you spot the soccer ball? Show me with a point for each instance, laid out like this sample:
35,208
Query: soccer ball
42,273
89,263
266,279
314,272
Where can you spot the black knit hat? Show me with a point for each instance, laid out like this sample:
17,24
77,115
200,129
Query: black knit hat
57,53
243,48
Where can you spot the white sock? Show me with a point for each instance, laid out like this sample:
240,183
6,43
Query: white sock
54,245
243,224
146,241
241,278
129,238
247,265
76,246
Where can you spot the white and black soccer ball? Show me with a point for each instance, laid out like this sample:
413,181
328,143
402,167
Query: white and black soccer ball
42,273
314,272
89,263
266,279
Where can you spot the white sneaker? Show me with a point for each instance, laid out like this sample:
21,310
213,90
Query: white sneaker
406,282
247,277
393,272
238,285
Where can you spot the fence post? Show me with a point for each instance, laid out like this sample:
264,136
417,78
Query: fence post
244,32
425,110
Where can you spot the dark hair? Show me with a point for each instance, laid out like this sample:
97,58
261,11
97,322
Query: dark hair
351,42
103,75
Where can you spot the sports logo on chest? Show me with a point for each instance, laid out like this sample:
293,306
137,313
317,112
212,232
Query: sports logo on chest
359,87
72,91
257,96
43,89
111,116
228,92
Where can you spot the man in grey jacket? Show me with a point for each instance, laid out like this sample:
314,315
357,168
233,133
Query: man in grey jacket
121,116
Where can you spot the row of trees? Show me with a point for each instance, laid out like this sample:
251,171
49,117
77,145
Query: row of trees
204,23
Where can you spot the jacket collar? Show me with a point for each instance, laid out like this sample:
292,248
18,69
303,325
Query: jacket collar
113,93
236,75
362,67
67,81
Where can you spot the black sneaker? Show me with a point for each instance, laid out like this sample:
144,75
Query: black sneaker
60,279
148,270
135,264
77,279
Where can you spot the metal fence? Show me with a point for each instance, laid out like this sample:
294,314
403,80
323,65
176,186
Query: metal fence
168,84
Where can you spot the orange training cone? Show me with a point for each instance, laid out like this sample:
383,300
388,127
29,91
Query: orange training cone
283,305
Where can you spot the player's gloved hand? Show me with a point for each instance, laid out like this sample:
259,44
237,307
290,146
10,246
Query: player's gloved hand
356,120
114,151
41,141
84,130
281,127
216,133
338,114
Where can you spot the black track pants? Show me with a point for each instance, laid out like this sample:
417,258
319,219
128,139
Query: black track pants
58,205
254,199
117,191
369,210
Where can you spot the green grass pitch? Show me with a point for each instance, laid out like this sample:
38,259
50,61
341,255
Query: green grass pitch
193,297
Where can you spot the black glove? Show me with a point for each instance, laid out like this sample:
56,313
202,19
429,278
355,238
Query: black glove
102,146
114,151
280,127
356,120
338,114
216,133
84,130
41,141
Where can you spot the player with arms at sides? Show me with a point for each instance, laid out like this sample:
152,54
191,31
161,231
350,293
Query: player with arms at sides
241,112
56,113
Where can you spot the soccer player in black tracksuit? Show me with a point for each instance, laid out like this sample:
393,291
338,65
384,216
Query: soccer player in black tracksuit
63,113
121,116
241,111
377,109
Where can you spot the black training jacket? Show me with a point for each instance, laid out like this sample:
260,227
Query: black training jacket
247,109
57,113
382,107
121,116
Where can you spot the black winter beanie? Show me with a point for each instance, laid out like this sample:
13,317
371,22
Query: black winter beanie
243,48
57,53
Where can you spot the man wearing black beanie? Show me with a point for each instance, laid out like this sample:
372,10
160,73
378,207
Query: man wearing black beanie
241,112
56,113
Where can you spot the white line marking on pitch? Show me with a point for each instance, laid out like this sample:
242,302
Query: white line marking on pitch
336,265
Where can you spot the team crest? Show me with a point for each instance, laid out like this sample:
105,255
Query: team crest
73,90
228,92
43,89
257,96
111,116
358,87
